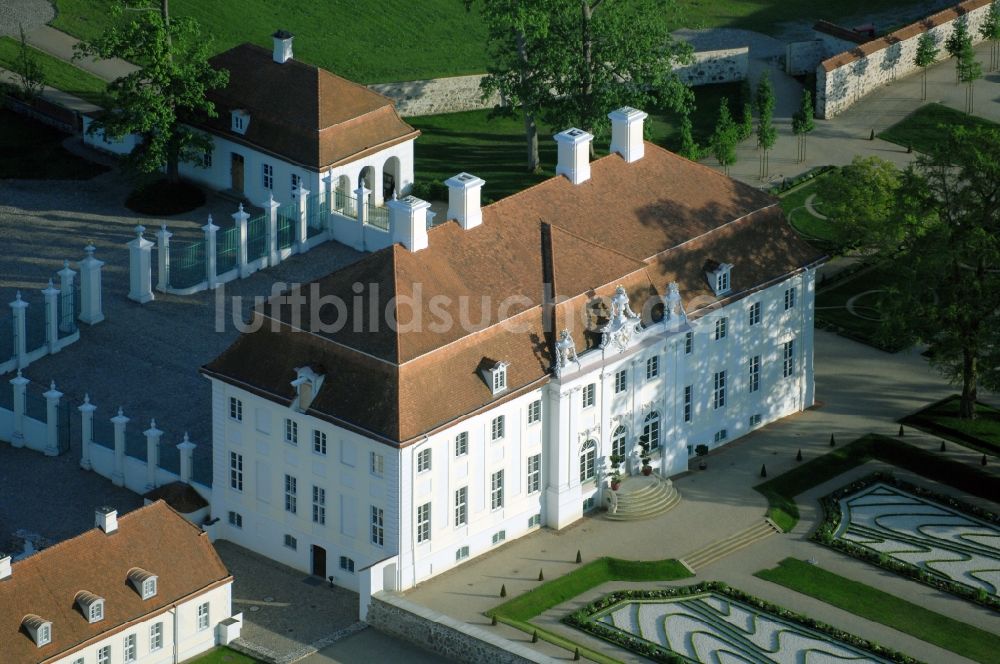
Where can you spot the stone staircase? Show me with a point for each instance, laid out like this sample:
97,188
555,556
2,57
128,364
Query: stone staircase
726,546
643,497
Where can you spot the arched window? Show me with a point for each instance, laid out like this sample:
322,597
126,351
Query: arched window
618,441
588,460
651,431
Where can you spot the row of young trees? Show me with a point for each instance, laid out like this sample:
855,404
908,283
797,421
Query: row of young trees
959,46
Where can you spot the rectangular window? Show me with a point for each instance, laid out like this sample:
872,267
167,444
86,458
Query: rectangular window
206,160
319,442
589,504
687,403
291,432
721,435
268,176
424,523
104,655
347,564
203,616
497,428
534,473
462,506
291,542
79,660
462,553
155,636
378,526
423,461
496,490
652,367
754,378
319,505
499,379
296,182
291,491
235,519
753,314
755,419
688,342
621,380
719,389
789,298
721,327
235,409
589,394
130,649
535,411
499,536
788,358
722,282
462,444
236,471
534,520
377,464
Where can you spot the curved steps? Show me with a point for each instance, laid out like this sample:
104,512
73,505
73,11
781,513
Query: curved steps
643,498
726,546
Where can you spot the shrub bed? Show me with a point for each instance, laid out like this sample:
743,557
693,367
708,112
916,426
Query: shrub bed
941,419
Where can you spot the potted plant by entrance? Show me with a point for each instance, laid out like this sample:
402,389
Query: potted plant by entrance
616,477
701,451
647,469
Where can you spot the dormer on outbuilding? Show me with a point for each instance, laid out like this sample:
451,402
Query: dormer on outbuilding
719,277
307,383
240,120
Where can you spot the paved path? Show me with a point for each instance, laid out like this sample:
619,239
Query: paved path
61,45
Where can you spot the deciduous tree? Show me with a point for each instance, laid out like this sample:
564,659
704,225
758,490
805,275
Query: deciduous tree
803,123
927,52
766,133
725,137
859,200
969,71
990,29
956,41
29,73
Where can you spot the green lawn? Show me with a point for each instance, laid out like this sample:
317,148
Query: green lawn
782,490
862,290
881,607
223,655
396,40
814,229
941,419
921,129
494,149
58,74
30,150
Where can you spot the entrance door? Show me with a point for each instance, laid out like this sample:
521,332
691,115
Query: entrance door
388,186
319,561
237,172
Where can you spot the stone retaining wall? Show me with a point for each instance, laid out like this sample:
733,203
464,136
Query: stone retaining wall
722,66
847,77
446,636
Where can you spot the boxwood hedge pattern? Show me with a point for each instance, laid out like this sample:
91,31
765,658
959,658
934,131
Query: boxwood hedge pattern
588,620
826,534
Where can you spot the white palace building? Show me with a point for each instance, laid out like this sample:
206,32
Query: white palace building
641,299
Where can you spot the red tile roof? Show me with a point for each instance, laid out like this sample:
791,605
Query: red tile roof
153,538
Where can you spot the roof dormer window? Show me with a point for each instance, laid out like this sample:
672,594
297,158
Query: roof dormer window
307,383
498,377
144,582
91,605
240,120
719,277
39,629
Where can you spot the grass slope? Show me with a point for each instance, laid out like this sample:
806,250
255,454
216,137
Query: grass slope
30,150
881,607
58,74
819,231
921,129
941,419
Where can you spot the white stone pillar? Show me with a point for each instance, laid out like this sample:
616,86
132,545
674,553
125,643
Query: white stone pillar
86,431
140,265
186,448
331,194
91,305
51,295
271,209
52,398
210,256
302,221
361,200
118,474
67,306
163,258
19,309
152,454
20,386
240,218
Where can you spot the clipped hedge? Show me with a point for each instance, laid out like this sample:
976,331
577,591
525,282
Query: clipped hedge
791,183
833,516
584,619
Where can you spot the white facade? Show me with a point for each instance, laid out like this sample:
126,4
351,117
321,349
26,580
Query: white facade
553,425
169,636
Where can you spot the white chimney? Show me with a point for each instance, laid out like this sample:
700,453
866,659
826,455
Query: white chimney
408,217
106,518
5,570
626,133
282,46
463,199
574,155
